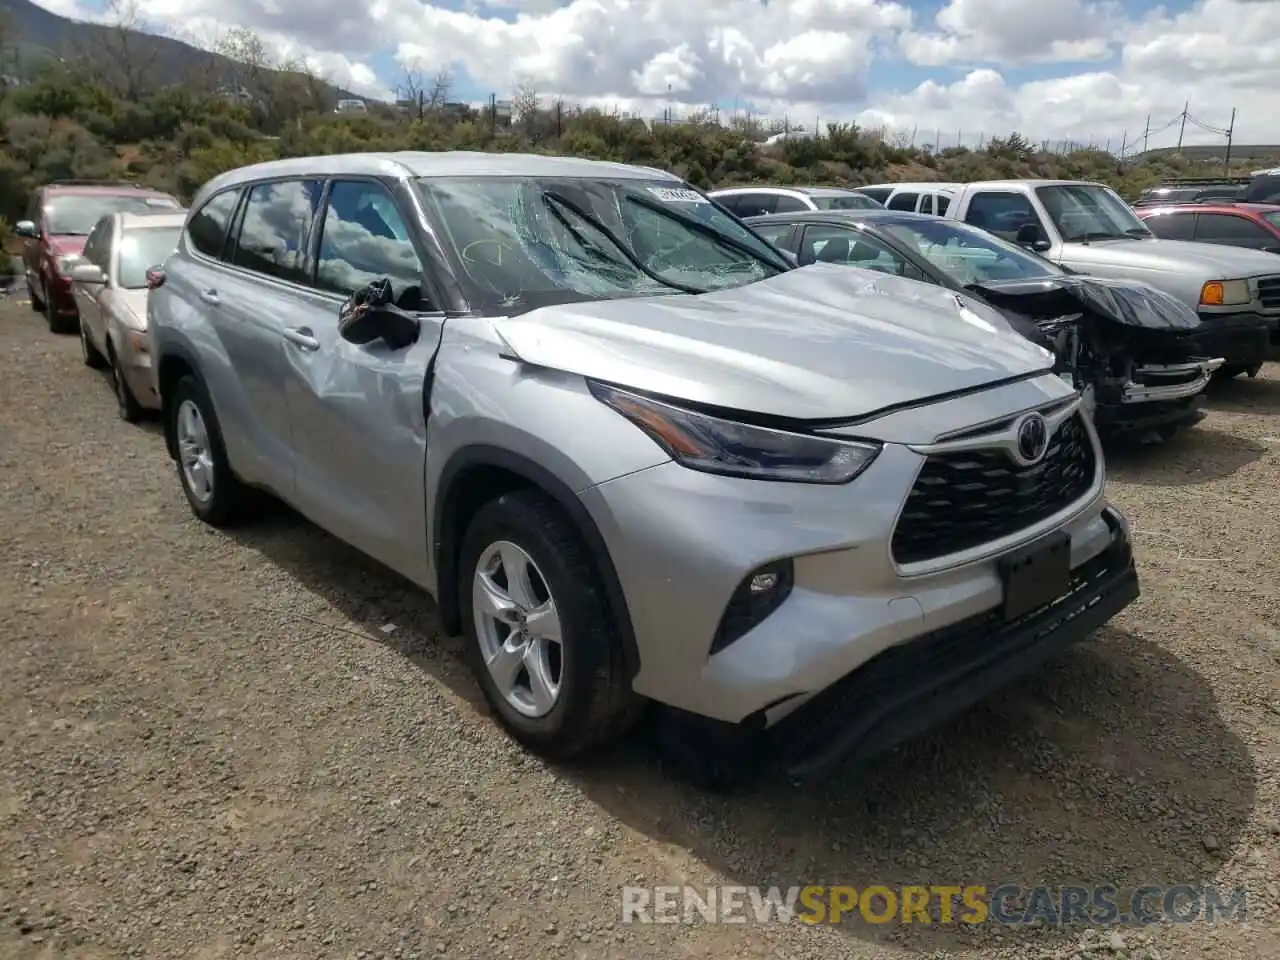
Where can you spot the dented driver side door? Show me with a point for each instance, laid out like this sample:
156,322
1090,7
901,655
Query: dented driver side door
357,411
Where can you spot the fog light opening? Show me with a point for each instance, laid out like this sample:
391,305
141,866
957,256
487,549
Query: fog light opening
761,592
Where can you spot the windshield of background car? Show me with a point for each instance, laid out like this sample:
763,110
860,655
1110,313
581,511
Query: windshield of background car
969,255
1089,212
519,247
851,201
74,214
142,248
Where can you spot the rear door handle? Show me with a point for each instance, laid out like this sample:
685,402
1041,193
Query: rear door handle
301,337
210,296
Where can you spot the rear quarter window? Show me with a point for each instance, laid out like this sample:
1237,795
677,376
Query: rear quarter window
207,229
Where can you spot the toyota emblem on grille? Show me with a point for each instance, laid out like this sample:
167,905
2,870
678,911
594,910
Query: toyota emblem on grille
1032,439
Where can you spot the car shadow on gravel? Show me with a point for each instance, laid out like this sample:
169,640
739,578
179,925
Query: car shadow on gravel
1242,395
1111,766
1199,455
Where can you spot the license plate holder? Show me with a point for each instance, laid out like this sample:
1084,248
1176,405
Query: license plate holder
1036,575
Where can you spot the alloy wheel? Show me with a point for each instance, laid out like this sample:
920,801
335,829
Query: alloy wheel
193,451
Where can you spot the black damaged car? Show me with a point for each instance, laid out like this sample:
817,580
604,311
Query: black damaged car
1133,351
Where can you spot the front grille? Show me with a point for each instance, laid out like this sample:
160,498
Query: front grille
1269,293
965,499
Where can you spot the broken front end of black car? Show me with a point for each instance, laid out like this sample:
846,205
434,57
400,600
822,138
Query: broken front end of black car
1134,352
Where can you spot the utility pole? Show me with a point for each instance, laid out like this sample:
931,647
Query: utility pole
1182,129
1146,133
1226,164
1124,142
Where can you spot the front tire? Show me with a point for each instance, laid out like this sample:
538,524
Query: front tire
539,637
36,304
215,494
93,358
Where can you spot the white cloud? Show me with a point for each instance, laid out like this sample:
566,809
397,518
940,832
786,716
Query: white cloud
1104,71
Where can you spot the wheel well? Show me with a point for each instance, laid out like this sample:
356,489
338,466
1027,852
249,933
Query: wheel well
172,369
468,488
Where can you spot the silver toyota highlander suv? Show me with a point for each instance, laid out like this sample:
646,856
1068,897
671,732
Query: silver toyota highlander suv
633,453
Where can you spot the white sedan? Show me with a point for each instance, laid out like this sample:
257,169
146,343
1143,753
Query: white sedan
110,283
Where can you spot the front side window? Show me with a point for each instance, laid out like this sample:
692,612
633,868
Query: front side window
274,229
364,239
142,248
755,204
903,201
826,244
775,233
1231,230
207,229
523,242
1084,212
95,248
74,215
968,255
1001,213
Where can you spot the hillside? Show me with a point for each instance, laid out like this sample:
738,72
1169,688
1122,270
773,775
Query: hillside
33,37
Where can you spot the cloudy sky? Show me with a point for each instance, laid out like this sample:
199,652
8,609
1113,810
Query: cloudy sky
1052,69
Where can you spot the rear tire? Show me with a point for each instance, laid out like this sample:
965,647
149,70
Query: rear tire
551,571
126,404
34,302
215,494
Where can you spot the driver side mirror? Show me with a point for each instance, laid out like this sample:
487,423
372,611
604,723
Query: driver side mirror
25,228
1031,236
371,314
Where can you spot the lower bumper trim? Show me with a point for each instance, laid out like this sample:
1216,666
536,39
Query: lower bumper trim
913,687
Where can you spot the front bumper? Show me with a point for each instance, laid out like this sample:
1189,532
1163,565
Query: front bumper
1241,340
915,686
682,542
1157,395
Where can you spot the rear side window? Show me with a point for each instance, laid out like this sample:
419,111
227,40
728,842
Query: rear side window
903,201
775,233
1172,226
940,204
756,204
207,230
275,227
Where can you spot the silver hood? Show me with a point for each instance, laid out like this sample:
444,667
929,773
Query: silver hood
821,342
1209,261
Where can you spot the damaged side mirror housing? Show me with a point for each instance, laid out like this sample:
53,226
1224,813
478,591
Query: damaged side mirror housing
371,314
1031,236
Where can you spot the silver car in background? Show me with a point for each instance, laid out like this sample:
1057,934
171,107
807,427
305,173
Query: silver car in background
633,453
110,286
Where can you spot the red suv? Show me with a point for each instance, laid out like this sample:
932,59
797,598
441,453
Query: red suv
58,222
1252,225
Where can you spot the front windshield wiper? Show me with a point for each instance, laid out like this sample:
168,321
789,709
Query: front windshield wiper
707,231
554,198
1096,235
1142,232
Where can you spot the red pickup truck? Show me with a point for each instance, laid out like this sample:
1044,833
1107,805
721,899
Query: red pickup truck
58,222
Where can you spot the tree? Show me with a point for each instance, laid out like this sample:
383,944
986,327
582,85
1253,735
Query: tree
126,61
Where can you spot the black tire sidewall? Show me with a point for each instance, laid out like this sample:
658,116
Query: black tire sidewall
222,505
535,525
126,404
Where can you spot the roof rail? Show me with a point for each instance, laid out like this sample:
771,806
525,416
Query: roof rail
95,183
1202,181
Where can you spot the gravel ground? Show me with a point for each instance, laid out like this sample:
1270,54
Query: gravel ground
209,747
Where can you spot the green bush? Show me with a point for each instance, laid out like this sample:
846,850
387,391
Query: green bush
63,125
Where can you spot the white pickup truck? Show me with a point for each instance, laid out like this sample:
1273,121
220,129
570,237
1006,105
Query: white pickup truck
1088,229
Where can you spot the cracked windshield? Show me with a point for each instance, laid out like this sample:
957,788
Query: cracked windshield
525,243
970,255
1084,213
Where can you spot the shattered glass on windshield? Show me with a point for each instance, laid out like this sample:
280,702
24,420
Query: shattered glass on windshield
529,242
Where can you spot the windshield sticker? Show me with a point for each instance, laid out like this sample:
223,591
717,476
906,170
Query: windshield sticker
677,195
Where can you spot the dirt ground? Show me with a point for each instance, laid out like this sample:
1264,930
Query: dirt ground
210,748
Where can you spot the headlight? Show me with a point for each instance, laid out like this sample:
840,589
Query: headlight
64,265
1225,293
711,445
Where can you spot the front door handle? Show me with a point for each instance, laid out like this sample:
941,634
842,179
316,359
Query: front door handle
210,296
301,337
